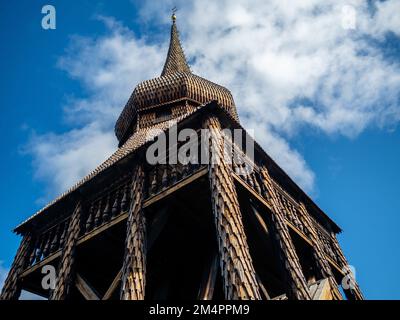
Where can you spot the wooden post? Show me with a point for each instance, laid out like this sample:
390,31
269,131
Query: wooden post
66,272
237,269
134,265
85,289
12,286
298,288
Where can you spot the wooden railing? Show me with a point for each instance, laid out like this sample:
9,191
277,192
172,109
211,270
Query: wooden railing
328,245
247,171
47,243
109,205
167,172
292,211
164,176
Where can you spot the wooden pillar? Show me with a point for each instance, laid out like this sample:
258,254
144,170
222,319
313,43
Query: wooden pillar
134,265
12,286
298,288
66,273
235,261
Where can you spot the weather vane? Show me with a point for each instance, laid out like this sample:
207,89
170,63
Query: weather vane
174,9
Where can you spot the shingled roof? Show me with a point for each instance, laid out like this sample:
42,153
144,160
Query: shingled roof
176,83
176,60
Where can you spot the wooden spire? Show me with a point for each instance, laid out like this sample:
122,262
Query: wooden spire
176,60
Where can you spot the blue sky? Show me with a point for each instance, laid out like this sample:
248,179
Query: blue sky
323,102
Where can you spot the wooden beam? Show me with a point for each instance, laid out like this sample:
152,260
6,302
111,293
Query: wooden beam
301,234
263,289
260,220
85,289
113,286
334,264
102,228
42,263
254,193
175,187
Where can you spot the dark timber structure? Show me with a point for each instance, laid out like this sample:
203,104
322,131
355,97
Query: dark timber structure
131,230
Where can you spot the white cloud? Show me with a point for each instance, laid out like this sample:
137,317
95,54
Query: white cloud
108,67
384,20
63,159
289,64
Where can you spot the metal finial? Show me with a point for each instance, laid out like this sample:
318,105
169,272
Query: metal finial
173,17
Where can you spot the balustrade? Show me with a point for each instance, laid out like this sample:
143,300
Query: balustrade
112,203
47,243
109,205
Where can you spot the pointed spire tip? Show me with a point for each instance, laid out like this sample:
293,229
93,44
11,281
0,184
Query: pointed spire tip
176,60
173,16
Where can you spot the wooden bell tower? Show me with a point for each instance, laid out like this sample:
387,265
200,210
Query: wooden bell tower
133,230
